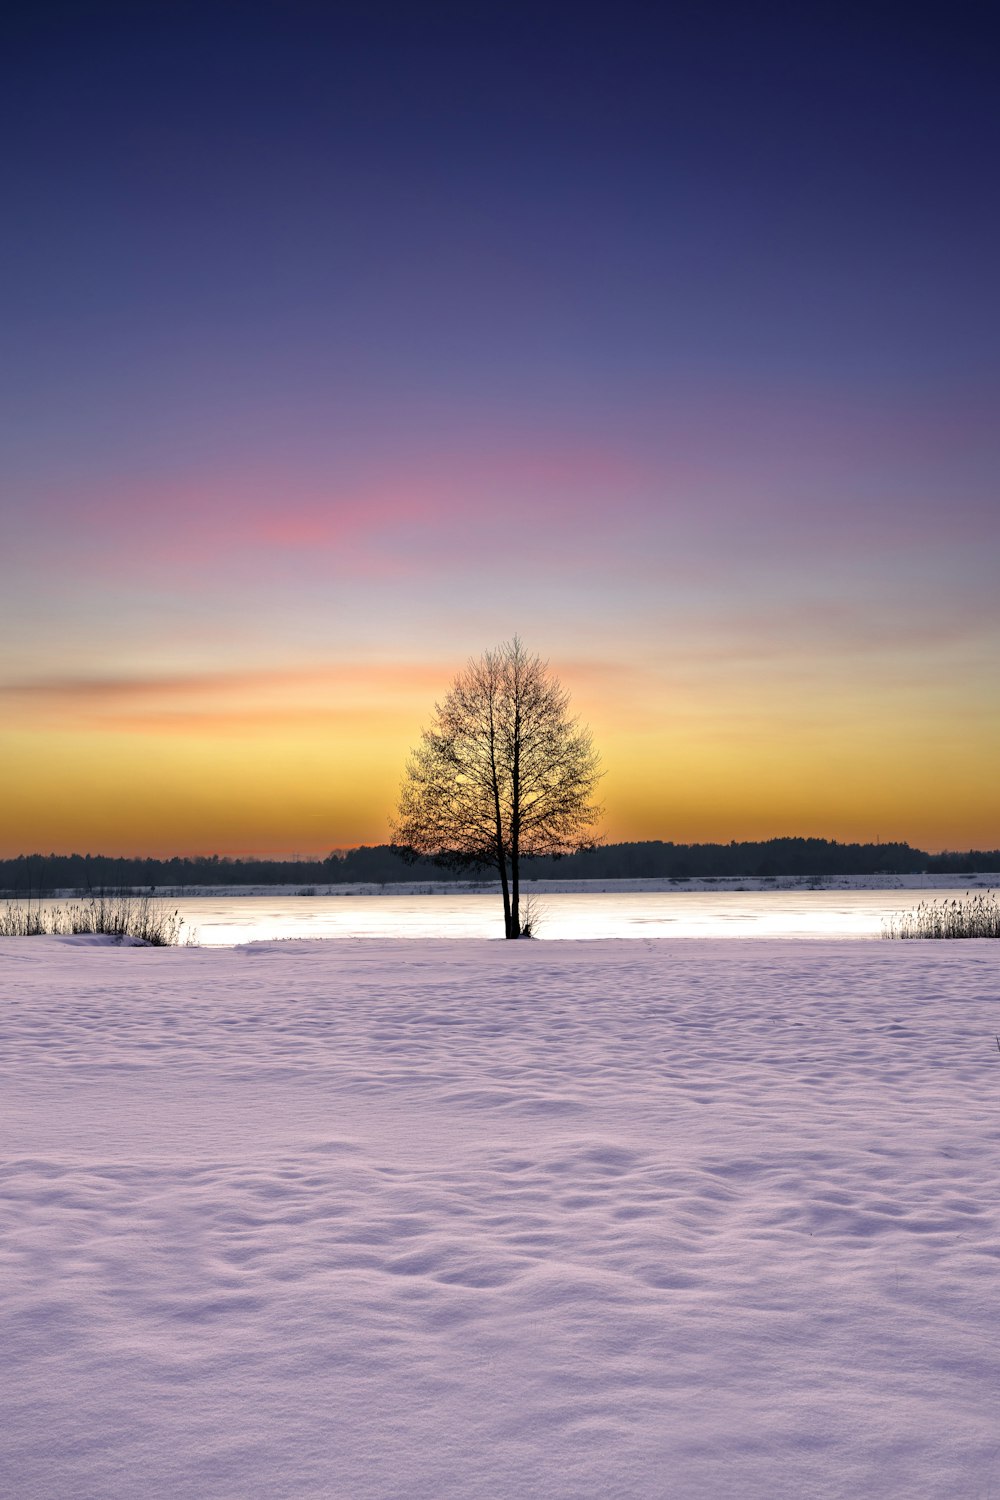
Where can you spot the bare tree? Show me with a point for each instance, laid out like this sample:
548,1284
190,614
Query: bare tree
502,773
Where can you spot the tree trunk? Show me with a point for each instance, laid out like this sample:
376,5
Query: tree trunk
508,929
515,889
501,853
515,870
515,826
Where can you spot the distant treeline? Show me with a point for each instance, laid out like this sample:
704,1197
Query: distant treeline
382,865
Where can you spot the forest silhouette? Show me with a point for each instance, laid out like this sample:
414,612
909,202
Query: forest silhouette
380,864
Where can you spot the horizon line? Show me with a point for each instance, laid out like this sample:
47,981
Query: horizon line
294,857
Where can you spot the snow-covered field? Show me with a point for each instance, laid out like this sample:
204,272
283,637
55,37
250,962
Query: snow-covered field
486,1219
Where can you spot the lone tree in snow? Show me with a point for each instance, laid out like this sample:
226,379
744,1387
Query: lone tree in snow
502,773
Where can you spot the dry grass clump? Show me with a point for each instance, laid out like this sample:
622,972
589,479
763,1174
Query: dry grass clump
120,916
24,921
533,914
967,916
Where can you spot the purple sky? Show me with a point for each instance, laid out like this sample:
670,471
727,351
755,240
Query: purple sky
340,344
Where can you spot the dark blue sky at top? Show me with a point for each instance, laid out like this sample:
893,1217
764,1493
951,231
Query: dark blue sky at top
413,213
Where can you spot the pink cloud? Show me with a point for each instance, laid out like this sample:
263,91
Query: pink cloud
700,482
380,525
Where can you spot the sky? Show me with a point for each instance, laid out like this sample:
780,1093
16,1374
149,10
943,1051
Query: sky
340,343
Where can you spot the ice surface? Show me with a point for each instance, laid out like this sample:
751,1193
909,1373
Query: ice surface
474,1219
620,911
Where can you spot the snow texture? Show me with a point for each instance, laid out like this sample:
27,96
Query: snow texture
473,1219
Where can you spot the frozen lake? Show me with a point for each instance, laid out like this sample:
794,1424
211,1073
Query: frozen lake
226,919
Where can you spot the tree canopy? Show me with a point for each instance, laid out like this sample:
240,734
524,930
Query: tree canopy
502,772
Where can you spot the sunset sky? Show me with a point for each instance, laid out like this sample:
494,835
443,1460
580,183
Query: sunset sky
340,342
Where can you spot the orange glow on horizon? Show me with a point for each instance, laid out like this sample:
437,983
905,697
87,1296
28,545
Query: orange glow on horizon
311,758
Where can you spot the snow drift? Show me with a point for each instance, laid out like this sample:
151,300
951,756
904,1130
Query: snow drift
446,1219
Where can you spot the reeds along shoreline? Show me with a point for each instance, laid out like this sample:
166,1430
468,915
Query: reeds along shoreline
139,918
968,916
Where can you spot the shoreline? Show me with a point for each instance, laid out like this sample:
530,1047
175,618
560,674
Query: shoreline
979,880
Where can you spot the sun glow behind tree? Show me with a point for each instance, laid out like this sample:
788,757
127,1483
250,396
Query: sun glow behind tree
502,773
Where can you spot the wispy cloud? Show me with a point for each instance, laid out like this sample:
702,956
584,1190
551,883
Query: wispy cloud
391,519
224,701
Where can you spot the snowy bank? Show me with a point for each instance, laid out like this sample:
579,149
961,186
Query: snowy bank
471,1219
976,881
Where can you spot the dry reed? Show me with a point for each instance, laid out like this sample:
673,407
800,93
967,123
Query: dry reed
120,916
968,916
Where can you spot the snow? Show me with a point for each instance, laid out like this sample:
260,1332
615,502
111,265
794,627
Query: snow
485,1219
799,912
975,880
